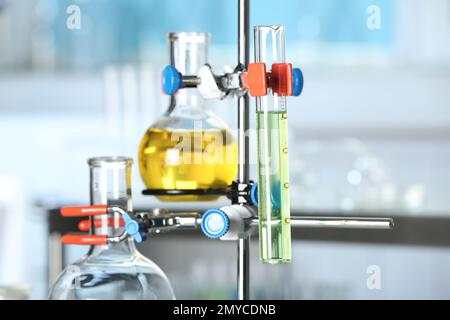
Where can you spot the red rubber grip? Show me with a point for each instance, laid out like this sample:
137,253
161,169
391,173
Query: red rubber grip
281,79
84,211
84,239
256,79
84,225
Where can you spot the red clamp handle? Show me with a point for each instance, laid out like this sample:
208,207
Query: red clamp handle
257,80
84,239
85,225
84,211
281,79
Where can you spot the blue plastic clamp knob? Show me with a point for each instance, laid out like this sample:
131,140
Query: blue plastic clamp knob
254,194
297,81
133,228
215,223
172,80
274,196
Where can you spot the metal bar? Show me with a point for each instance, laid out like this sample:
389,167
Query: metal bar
243,261
243,102
339,222
243,268
191,81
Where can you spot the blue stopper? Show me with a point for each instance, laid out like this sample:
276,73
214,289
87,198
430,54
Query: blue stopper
297,81
215,223
172,80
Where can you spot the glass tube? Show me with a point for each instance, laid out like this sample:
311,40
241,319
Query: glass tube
273,173
110,184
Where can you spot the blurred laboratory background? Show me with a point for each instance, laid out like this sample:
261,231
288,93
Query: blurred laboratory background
370,135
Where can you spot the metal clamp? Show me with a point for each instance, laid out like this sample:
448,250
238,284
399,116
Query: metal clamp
227,223
161,220
209,85
241,192
283,79
136,225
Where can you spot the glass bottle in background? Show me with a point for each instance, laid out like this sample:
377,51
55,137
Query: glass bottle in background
114,271
189,147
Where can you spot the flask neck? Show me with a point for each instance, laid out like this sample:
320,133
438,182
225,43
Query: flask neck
110,184
188,53
110,225
188,102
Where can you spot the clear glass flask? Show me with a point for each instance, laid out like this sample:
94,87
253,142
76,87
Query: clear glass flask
273,173
115,271
189,147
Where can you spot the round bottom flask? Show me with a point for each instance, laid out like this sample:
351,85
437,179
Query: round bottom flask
188,149
115,271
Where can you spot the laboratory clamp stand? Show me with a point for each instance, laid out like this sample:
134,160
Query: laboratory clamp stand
256,208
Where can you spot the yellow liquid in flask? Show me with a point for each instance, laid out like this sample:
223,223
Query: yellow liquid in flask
187,159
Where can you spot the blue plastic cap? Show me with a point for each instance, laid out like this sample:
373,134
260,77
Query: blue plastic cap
297,81
274,195
172,80
254,194
215,223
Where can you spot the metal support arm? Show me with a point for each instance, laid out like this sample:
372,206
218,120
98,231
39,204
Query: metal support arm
163,221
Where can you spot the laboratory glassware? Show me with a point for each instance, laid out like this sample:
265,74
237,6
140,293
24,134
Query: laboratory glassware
189,148
116,270
272,145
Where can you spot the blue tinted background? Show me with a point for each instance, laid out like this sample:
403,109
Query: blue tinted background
114,31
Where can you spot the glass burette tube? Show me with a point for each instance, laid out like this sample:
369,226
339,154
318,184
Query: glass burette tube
273,173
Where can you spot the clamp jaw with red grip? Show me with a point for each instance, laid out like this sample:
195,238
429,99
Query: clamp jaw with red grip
283,79
85,225
84,211
136,224
132,227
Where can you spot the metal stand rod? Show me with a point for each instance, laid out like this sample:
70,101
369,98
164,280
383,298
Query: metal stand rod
243,269
243,102
243,275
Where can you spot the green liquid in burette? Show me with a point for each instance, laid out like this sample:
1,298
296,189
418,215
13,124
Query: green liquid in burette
273,187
